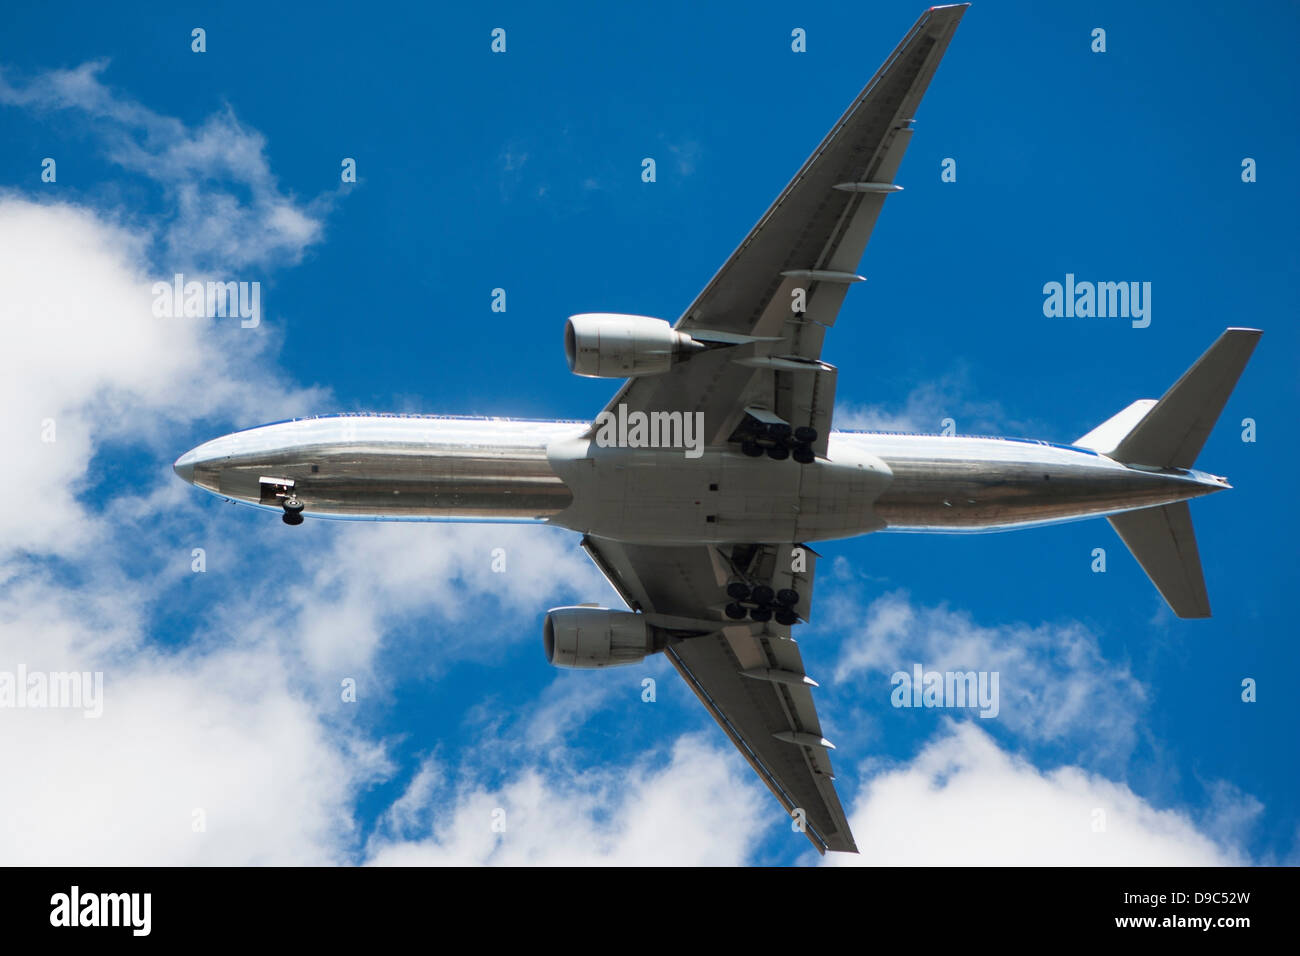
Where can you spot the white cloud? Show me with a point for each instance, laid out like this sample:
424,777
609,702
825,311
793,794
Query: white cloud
225,733
225,208
1231,814
686,154
240,719
1054,682
228,719
225,719
354,583
83,361
697,810
929,404
964,801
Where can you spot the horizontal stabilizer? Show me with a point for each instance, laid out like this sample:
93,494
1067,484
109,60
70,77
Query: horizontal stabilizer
1173,432
1164,544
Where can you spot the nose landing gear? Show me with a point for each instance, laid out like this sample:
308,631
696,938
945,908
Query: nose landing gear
292,510
280,491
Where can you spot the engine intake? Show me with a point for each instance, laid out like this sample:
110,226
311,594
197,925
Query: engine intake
597,637
607,345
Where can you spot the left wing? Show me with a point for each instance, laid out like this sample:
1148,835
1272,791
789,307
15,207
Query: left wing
749,676
782,288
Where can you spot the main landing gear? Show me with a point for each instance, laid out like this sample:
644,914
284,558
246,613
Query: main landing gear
760,603
779,441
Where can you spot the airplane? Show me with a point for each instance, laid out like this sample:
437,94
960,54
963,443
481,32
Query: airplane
706,538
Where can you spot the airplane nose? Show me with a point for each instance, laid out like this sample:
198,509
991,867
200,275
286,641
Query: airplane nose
184,466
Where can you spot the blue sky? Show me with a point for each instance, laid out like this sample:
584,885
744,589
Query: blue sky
521,171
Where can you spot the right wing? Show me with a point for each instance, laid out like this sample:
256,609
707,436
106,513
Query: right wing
749,676
810,243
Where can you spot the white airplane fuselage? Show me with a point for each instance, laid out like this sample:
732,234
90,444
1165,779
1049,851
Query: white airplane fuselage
432,468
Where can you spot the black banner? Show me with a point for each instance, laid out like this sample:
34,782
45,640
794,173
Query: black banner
335,905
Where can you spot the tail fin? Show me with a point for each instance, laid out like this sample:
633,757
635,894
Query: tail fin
1164,544
1170,434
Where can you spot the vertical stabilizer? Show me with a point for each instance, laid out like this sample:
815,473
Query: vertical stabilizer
1173,432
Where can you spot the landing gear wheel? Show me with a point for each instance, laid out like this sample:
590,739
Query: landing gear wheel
292,510
778,430
735,611
738,591
761,614
786,617
751,448
762,594
778,453
804,454
805,435
787,596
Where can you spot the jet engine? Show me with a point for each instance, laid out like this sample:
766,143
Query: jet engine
606,345
597,637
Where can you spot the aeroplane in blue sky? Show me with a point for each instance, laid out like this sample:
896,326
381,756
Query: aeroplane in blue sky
700,487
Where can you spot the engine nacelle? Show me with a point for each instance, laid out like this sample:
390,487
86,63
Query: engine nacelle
597,637
607,345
